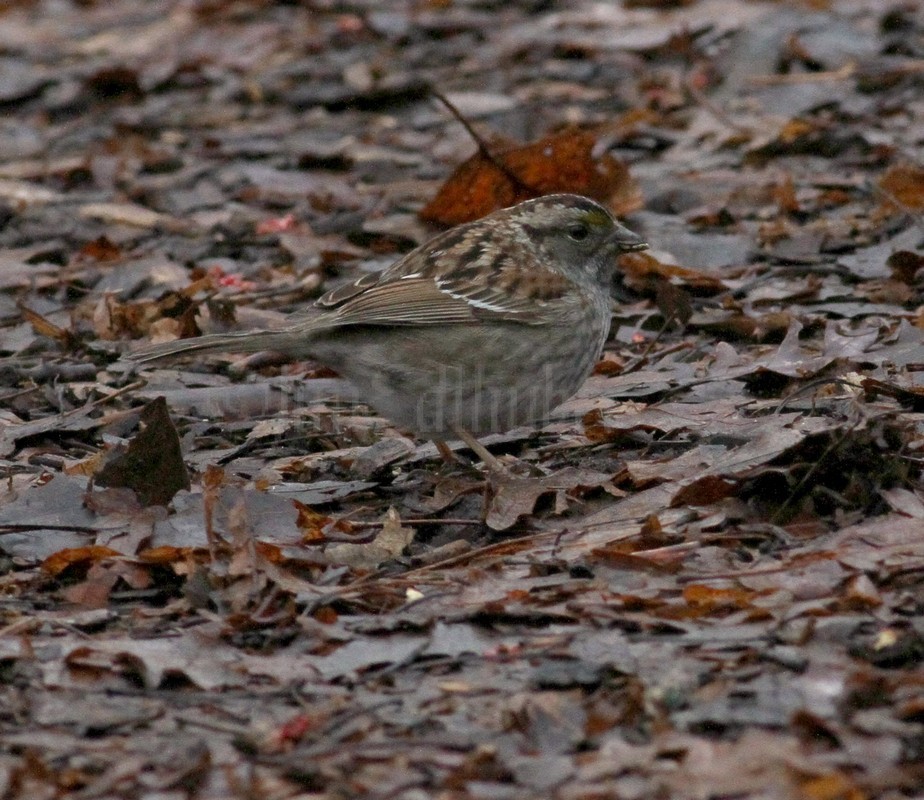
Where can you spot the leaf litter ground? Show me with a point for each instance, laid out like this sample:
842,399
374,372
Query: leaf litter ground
704,574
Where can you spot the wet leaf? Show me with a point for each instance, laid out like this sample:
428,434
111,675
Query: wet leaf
152,464
561,162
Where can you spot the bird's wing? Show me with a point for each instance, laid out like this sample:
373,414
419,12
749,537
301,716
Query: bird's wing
406,301
453,279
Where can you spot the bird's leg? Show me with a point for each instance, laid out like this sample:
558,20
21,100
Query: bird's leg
495,468
480,450
445,452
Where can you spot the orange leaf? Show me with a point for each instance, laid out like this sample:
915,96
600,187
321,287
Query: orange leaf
165,554
56,563
271,552
833,786
698,594
562,162
310,522
325,615
100,249
705,490
42,326
643,270
904,183
613,557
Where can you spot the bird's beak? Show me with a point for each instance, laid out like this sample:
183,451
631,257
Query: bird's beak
622,240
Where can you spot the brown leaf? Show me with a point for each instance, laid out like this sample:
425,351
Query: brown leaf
861,594
388,544
912,397
710,598
152,464
55,564
44,327
674,304
904,183
705,490
151,660
102,578
643,272
562,162
165,554
617,558
518,496
100,249
905,265
316,526
833,786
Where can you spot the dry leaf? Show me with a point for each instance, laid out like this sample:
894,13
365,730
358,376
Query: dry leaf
562,162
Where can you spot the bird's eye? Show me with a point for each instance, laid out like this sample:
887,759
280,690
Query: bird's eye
578,232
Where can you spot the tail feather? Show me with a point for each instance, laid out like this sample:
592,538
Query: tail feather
239,342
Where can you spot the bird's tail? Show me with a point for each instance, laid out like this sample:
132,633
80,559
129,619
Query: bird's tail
238,342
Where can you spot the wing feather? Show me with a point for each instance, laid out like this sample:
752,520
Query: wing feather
460,276
411,301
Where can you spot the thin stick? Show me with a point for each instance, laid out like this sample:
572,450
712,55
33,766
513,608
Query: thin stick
516,180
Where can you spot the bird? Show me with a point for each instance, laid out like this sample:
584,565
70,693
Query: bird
486,327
